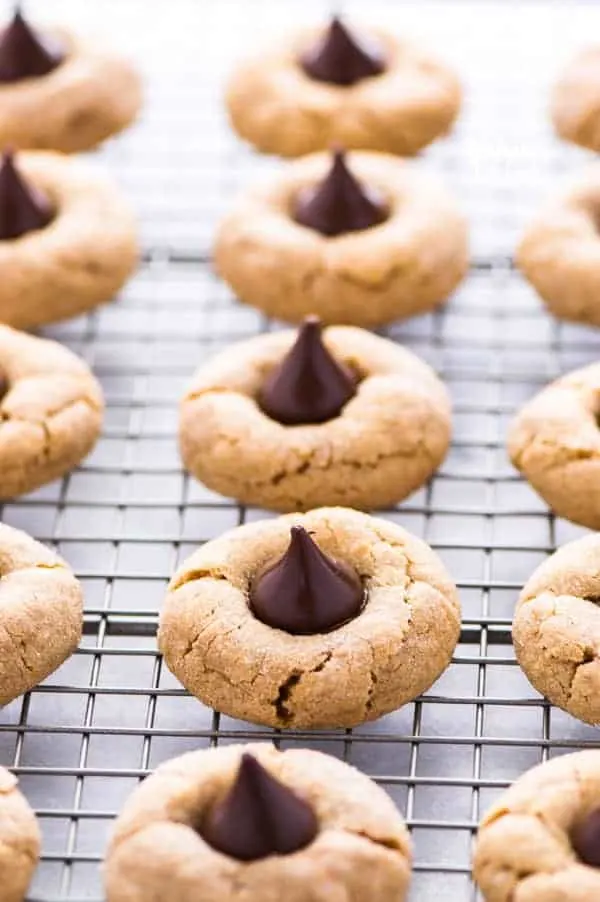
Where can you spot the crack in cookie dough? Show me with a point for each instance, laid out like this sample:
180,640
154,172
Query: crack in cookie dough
389,653
384,444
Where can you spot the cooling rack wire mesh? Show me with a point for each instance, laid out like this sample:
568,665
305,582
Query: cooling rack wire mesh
81,741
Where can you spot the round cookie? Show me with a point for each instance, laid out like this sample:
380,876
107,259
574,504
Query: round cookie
556,628
407,100
575,106
555,443
40,614
361,848
51,411
376,661
387,440
407,264
20,839
83,94
560,251
532,844
79,259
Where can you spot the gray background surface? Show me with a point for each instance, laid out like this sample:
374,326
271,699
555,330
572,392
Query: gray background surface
81,741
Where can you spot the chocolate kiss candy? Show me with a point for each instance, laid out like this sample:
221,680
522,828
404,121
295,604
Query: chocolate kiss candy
22,54
585,839
309,385
338,58
339,204
259,816
22,208
306,592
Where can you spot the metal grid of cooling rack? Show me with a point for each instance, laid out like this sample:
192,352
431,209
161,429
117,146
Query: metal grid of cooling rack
80,742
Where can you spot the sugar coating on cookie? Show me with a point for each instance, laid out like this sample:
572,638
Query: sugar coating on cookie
393,649
83,95
576,100
40,615
282,104
554,441
560,251
20,838
80,258
556,628
406,264
361,849
529,846
51,410
384,443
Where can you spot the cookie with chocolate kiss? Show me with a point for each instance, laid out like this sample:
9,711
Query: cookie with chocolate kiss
362,87
280,824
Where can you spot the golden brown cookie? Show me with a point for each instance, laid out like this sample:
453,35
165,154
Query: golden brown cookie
560,251
540,841
386,441
361,849
20,838
276,105
50,412
576,100
555,442
406,265
556,628
87,94
80,259
391,651
40,615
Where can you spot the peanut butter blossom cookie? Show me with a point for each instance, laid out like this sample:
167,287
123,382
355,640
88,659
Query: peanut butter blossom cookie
294,420
296,825
362,240
67,240
51,411
540,842
20,840
556,629
365,90
324,620
40,616
59,92
560,251
555,442
576,100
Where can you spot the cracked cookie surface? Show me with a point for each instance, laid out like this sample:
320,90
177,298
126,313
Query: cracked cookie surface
406,265
556,628
361,851
398,645
50,415
91,95
20,839
80,259
555,443
560,251
386,442
40,613
276,106
523,851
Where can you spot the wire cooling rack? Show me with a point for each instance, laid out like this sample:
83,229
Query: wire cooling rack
81,742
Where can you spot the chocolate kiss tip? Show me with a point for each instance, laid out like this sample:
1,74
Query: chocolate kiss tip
306,592
22,208
339,59
309,385
339,203
22,53
585,839
259,817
